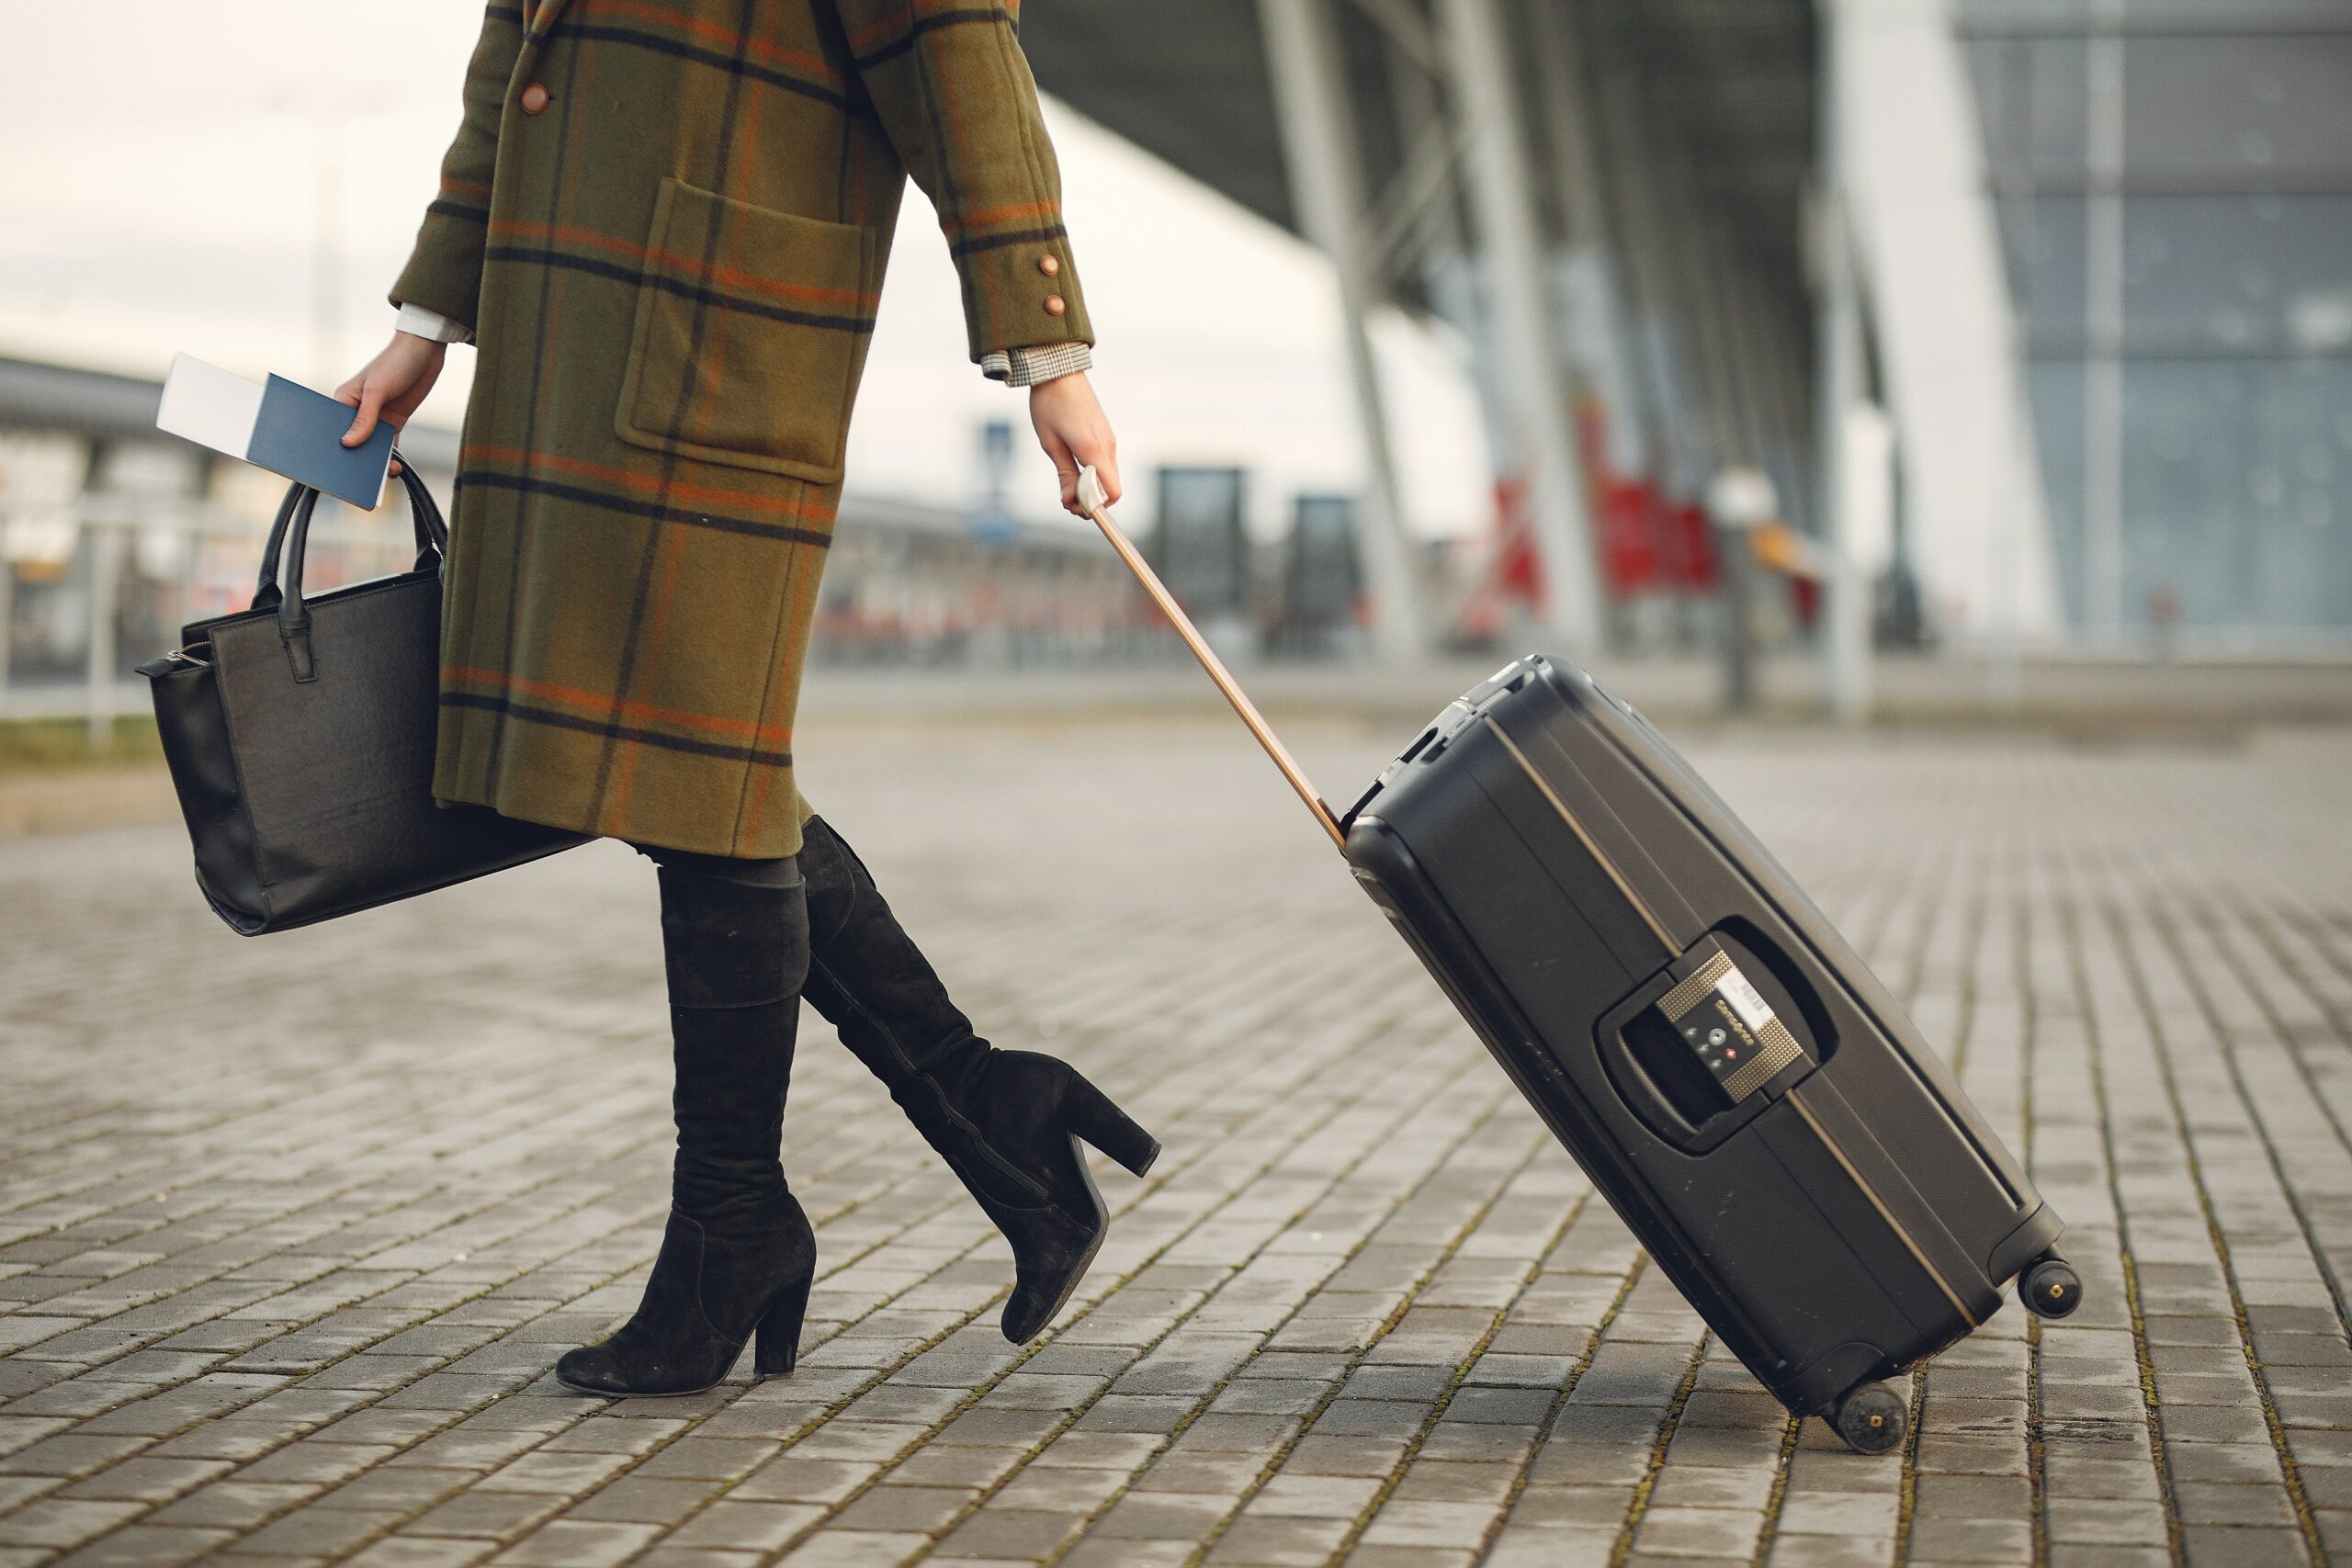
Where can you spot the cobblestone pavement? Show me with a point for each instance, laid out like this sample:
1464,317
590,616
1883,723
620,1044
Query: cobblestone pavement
291,1230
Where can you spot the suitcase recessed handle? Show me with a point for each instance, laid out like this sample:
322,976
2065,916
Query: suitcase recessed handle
1639,1089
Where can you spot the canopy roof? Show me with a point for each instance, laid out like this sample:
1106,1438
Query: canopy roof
1726,85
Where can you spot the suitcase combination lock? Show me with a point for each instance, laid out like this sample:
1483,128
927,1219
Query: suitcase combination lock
1694,1054
1727,1024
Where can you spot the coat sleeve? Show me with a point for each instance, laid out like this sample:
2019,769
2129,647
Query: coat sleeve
954,96
444,272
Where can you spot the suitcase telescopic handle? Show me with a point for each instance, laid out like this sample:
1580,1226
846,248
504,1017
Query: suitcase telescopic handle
1091,497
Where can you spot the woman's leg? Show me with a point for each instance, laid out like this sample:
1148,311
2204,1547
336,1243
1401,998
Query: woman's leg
739,1254
1006,1122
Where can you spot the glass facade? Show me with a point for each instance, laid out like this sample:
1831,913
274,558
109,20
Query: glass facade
2175,188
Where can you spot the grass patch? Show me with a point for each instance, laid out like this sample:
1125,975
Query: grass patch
29,745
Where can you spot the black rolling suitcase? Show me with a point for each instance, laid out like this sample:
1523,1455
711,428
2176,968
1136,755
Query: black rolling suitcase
1732,1076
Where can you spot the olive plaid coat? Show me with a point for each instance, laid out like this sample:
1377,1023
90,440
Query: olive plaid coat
666,222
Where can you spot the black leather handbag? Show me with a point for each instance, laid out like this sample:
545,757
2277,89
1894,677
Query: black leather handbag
300,736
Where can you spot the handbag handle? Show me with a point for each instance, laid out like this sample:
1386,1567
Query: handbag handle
292,532
424,515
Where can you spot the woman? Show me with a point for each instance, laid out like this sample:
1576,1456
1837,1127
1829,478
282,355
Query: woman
664,223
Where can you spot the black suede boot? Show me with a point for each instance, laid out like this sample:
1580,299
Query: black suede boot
739,1253
1007,1122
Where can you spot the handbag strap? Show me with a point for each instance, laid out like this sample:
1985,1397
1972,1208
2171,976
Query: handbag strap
291,533
423,512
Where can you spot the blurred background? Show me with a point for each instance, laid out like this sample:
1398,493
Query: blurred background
1861,357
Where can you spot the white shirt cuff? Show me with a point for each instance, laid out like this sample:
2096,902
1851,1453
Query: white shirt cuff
1034,367
431,325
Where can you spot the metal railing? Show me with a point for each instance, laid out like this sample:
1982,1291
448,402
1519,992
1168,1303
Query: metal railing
86,598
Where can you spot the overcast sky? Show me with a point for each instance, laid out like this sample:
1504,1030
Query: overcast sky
172,167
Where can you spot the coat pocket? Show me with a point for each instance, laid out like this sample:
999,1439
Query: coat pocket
752,330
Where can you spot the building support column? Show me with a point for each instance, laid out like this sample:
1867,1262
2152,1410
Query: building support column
1502,191
1595,250
1322,151
105,542
1681,368
2103,306
7,615
1689,241
1838,384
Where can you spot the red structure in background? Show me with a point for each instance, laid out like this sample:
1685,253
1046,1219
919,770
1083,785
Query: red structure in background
1648,543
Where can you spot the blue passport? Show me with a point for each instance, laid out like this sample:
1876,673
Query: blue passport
281,426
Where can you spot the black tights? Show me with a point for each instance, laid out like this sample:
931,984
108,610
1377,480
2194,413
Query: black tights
782,871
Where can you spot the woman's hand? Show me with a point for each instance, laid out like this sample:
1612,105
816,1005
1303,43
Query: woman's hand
391,385
1076,433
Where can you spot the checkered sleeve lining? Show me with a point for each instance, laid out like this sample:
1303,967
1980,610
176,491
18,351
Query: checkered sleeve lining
1034,367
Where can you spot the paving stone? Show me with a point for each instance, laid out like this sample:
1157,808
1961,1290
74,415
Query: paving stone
236,1505
70,1455
2072,1554
2089,1522
1166,1516
642,1499
1830,1551
566,1543
1257,1542
1375,1554
729,1524
60,1522
1861,1515
1097,1451
1749,1488
494,1516
147,1546
970,1468
920,1509
147,1480
1372,1418
1020,1535
325,1532
1315,1496
2216,1503
420,1552
2225,1546
1963,1540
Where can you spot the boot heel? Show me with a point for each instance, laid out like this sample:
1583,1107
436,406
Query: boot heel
778,1345
1109,1129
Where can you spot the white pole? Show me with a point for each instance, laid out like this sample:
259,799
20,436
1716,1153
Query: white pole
1592,240
1695,414
2103,358
1502,190
7,615
106,571
1847,645
326,254
1322,149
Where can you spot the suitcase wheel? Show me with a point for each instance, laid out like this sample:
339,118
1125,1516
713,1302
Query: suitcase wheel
2051,1288
1871,1418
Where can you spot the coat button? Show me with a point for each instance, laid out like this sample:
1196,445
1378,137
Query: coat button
1054,306
1051,265
535,98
